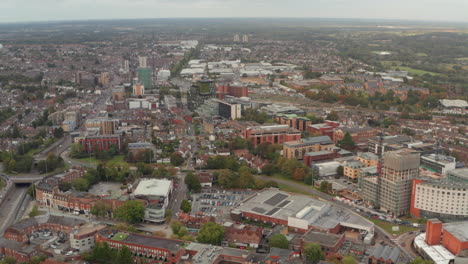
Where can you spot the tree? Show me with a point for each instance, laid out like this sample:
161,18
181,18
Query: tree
80,184
177,159
324,186
185,206
278,241
124,256
211,233
8,260
58,132
101,209
193,182
246,179
131,211
35,211
333,116
349,260
340,170
347,142
388,121
313,252
168,215
299,174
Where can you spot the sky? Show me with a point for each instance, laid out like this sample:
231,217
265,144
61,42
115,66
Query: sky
52,10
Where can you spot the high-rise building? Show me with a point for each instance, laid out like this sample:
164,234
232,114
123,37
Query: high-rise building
138,89
126,66
398,171
142,61
236,38
245,38
145,77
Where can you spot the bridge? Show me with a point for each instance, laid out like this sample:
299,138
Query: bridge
17,179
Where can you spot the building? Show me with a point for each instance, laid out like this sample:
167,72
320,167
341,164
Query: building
229,111
84,238
438,163
294,121
453,104
317,156
100,142
104,125
142,61
327,128
145,77
298,212
378,145
352,169
231,89
156,191
359,134
458,175
325,169
384,254
138,89
297,149
273,134
163,75
441,199
369,159
118,93
330,243
443,242
137,148
394,185
150,248
243,235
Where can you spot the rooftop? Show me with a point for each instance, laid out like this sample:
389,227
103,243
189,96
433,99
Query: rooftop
288,206
327,239
151,241
153,187
458,230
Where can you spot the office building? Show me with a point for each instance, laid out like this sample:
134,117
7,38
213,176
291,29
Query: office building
274,134
441,199
229,110
388,143
142,61
438,163
297,149
138,89
145,77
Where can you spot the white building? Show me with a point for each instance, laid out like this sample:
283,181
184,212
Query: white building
142,61
84,238
154,190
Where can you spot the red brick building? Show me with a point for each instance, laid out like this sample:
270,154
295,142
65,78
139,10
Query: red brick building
274,134
152,249
100,142
292,120
330,243
326,128
450,235
243,235
232,90
316,156
359,135
194,221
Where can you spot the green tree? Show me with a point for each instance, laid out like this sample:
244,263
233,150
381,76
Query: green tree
278,241
35,211
313,252
211,233
340,170
124,256
185,206
193,182
58,132
349,260
388,121
246,179
80,184
8,260
333,116
177,159
131,211
347,142
101,209
324,186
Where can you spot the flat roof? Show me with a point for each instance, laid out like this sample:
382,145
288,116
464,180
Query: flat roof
438,253
157,242
327,239
274,203
153,187
458,230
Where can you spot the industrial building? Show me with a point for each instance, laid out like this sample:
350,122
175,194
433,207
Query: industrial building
298,212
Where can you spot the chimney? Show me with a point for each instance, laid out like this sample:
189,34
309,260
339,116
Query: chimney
433,232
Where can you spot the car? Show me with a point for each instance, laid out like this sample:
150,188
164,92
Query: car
53,246
69,253
411,232
403,244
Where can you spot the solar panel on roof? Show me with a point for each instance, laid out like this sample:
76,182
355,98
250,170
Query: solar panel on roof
273,211
283,204
275,199
258,210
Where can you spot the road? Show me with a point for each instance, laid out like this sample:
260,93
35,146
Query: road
10,207
381,233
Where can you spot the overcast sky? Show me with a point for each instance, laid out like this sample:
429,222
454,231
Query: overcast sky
47,10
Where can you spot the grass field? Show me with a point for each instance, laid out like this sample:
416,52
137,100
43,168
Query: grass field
120,236
388,227
115,161
391,65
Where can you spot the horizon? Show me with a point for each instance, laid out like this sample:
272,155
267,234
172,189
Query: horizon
29,11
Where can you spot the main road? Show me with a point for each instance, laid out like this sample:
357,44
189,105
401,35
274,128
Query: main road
384,235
